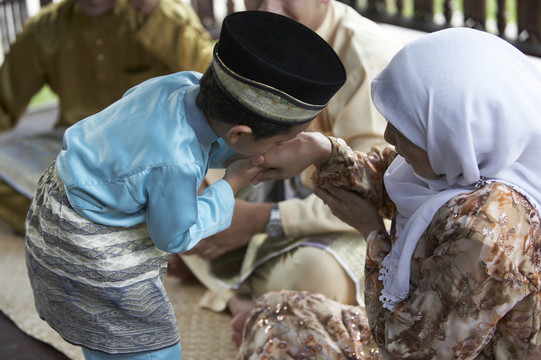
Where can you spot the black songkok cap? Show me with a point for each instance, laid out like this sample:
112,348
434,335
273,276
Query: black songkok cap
276,67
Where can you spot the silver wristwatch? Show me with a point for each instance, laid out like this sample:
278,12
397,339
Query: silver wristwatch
274,226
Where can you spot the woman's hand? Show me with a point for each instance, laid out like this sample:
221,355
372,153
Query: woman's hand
351,208
291,157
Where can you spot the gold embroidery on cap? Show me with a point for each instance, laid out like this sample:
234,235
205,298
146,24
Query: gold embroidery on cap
263,99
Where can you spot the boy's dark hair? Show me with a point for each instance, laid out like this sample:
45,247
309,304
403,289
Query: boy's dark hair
212,100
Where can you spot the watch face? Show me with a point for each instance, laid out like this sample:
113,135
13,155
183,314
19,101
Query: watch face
274,226
274,229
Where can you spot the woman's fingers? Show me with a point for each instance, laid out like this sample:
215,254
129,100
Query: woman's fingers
338,192
322,193
351,208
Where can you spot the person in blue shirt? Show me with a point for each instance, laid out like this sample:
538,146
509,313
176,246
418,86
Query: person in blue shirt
122,195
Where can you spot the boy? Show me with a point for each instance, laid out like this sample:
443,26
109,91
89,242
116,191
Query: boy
122,194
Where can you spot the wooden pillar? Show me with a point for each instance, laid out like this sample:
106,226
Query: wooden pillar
475,14
423,10
447,11
529,20
501,18
400,7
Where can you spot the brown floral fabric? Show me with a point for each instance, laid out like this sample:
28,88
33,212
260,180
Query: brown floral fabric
474,285
301,325
359,172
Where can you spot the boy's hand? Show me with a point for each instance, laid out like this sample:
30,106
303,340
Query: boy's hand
292,157
240,172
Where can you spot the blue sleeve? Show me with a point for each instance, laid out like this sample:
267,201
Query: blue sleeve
178,218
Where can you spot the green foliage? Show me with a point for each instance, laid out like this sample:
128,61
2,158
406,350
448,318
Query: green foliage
45,95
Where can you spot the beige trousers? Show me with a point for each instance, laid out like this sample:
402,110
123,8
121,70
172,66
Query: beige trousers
305,268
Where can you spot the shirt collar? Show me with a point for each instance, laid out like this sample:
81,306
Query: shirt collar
196,118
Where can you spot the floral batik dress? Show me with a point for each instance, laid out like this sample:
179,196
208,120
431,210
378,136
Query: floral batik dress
474,283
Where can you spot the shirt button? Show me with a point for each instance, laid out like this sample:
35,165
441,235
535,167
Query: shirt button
99,41
101,57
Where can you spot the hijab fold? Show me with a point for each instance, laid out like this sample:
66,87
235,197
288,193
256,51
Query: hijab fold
472,101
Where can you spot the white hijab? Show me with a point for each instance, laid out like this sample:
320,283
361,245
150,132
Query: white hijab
473,103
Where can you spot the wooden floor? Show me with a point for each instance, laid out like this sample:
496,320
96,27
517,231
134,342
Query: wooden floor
16,345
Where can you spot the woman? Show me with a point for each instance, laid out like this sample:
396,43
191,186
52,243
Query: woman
457,277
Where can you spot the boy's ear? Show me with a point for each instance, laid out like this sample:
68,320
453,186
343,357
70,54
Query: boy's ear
237,131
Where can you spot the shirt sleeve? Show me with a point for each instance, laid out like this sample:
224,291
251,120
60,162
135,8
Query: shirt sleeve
301,217
359,172
357,120
178,218
21,77
175,35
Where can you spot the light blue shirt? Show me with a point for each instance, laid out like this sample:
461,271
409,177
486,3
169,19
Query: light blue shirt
143,159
